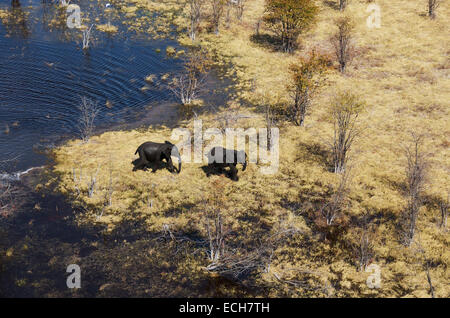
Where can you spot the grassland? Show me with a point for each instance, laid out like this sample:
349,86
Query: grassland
401,71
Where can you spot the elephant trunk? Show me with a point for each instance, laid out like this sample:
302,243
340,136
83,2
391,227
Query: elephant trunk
244,166
176,153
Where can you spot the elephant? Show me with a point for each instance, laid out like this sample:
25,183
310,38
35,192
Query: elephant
151,155
217,158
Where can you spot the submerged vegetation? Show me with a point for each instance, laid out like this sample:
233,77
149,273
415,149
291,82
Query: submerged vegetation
351,183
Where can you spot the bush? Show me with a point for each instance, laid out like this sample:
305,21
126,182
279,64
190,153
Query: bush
289,18
307,75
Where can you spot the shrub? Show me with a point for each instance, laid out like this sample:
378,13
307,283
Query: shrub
88,112
289,18
341,42
344,111
307,75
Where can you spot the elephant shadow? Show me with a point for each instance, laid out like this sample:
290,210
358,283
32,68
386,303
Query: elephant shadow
218,171
150,165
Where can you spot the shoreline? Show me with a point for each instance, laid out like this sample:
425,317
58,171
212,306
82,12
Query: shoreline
16,176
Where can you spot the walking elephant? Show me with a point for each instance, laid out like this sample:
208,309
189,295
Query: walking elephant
218,158
152,154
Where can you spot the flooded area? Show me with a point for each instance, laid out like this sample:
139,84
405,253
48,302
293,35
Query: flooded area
44,72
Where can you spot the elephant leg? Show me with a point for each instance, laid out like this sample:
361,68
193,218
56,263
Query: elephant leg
233,172
140,165
166,155
142,161
218,167
143,158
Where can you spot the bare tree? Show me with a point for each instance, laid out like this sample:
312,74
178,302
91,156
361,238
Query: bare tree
188,84
343,4
216,237
425,263
238,260
229,6
195,14
77,178
86,123
342,42
86,37
345,111
240,6
107,198
307,76
270,122
228,118
443,207
223,259
217,7
365,250
8,191
258,26
110,188
213,223
416,171
93,183
5,195
432,6
430,283
365,247
335,206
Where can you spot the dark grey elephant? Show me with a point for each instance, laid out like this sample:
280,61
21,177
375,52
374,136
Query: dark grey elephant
218,159
152,154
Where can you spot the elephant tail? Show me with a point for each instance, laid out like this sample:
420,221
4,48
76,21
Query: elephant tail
138,149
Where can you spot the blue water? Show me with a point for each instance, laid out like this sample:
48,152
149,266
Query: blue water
44,72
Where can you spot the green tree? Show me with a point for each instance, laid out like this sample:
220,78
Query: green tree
289,18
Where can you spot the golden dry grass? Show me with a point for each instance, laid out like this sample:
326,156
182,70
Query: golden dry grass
401,72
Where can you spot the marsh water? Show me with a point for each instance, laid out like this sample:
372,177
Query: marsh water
43,74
